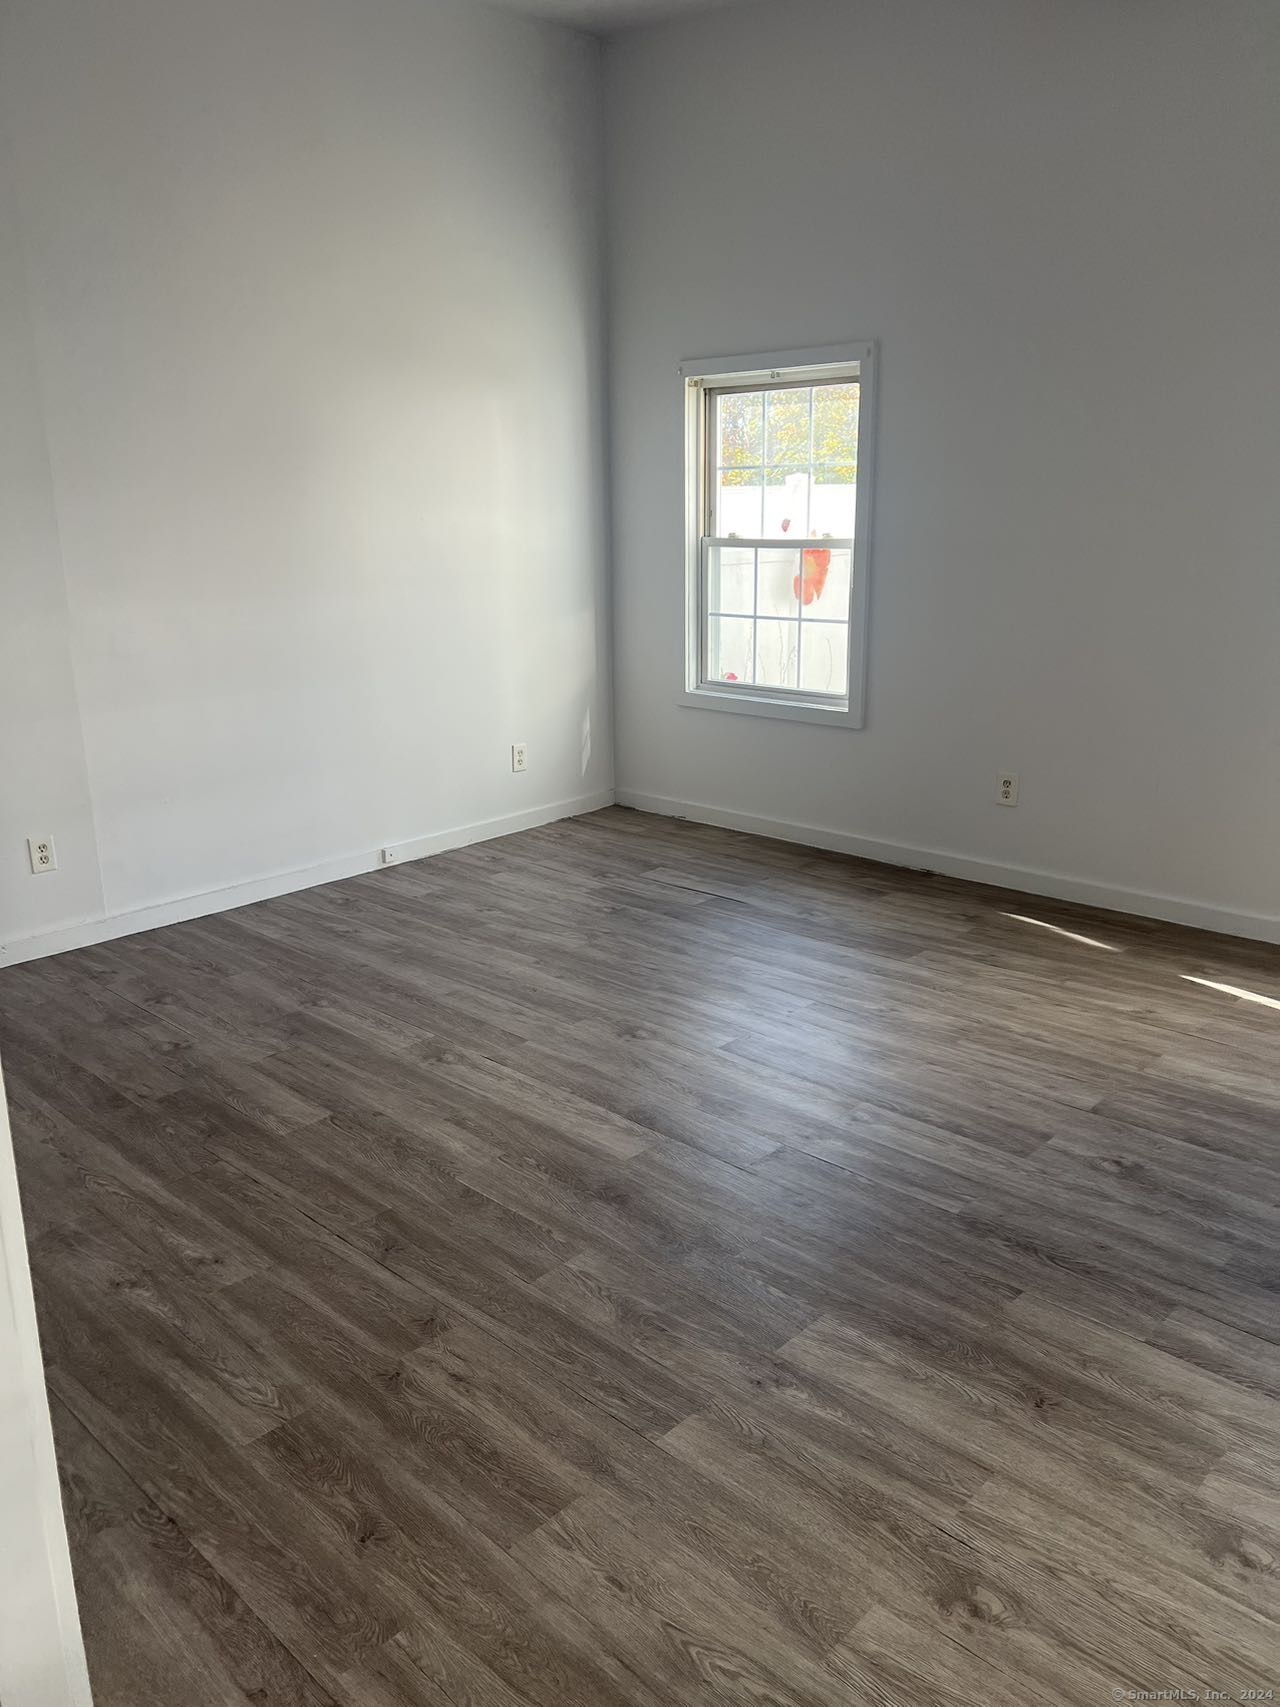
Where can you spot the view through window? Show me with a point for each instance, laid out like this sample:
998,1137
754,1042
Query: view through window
785,486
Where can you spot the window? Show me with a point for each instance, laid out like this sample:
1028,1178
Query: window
778,485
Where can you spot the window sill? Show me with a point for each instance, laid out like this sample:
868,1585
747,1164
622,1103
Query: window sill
758,705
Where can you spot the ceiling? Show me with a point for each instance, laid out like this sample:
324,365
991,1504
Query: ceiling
603,16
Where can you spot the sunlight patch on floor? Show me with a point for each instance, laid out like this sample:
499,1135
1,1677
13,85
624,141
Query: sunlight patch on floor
1232,990
1074,936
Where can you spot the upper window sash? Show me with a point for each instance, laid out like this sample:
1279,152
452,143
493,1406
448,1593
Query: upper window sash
765,383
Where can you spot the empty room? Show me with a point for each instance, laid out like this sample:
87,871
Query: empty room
639,877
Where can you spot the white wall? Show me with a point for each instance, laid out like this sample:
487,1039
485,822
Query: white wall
41,1652
300,438
1059,219
301,496
43,780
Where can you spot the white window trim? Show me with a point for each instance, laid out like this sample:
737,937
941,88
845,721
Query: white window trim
805,365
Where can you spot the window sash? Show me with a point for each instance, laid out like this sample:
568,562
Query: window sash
784,542
710,460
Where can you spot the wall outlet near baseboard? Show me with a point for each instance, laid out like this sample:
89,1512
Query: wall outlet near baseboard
41,853
388,856
1007,788
519,757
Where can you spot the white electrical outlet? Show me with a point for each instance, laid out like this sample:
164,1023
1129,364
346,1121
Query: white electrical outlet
1007,788
40,851
388,856
519,757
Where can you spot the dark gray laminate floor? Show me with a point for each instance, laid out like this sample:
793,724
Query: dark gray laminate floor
629,1263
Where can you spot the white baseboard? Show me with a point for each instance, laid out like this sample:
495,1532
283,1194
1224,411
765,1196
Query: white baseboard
1172,908
1176,910
106,928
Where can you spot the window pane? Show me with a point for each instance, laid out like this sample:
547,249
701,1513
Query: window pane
741,429
779,583
786,503
824,589
739,501
731,580
835,423
729,649
824,658
777,647
786,427
786,462
834,502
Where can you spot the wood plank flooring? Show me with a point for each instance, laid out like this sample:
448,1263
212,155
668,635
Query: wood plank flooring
631,1263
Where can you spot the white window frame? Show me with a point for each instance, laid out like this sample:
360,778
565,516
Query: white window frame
805,367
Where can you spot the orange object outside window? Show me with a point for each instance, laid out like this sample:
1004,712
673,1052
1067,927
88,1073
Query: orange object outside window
814,567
